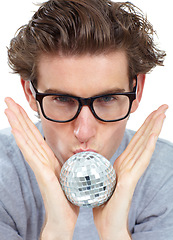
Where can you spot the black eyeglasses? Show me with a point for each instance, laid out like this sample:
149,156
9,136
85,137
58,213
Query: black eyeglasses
64,108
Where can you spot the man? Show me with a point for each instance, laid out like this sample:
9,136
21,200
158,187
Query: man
82,66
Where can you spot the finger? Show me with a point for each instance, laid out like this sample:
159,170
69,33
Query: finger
32,156
28,145
138,142
153,128
146,128
19,120
147,147
142,163
42,144
13,120
37,134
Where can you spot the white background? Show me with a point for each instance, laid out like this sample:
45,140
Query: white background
159,84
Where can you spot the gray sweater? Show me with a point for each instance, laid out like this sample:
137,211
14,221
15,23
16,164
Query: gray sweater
22,210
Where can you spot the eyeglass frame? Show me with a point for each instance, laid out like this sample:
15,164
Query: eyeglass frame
83,102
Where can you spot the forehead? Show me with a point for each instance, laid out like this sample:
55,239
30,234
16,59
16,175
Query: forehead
84,75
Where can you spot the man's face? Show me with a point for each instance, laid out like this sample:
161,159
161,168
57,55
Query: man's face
83,76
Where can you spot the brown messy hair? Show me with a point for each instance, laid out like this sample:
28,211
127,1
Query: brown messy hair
77,27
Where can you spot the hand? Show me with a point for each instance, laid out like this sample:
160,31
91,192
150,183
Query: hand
111,219
61,215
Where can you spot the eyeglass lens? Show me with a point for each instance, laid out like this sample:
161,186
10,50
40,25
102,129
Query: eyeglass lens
64,108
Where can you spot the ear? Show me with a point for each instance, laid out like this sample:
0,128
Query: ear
28,94
140,87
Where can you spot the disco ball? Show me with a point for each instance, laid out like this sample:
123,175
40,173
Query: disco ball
88,179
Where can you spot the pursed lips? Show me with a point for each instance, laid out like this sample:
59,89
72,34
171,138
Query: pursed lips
84,150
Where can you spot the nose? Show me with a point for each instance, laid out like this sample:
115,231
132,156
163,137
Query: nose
85,125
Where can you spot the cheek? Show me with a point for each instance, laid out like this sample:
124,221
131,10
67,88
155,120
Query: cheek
57,137
114,137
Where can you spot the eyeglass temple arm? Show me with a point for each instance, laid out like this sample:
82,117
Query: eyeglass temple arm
33,90
136,85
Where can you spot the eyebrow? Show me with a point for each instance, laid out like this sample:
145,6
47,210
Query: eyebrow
109,91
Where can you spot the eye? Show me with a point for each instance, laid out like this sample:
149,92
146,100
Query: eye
64,99
107,99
